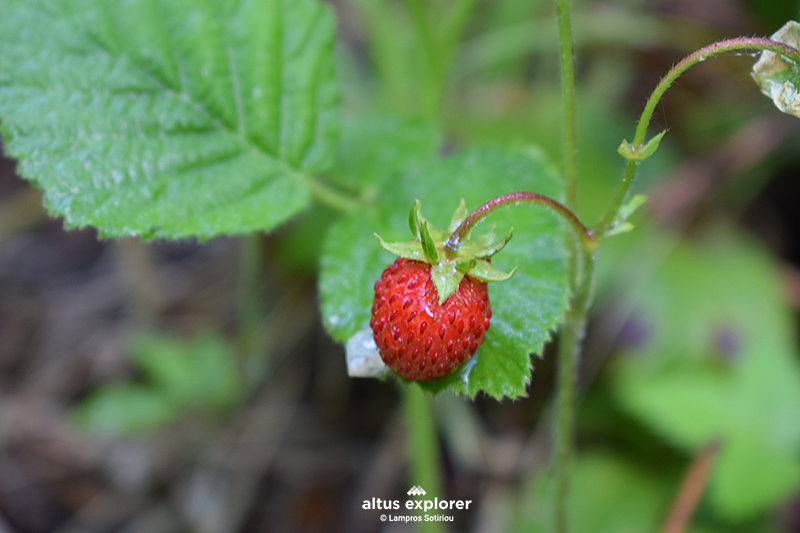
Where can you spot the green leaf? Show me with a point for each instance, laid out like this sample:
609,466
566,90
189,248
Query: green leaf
200,372
779,78
609,495
124,408
526,308
170,118
179,376
719,363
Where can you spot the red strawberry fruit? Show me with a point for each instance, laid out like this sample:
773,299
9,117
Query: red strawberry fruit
431,308
419,338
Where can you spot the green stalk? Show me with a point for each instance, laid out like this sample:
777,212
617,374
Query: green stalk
432,68
438,42
423,447
571,338
574,327
567,59
741,44
250,307
581,280
329,196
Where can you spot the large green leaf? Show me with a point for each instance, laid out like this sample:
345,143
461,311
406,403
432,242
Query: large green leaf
718,364
525,309
169,118
610,495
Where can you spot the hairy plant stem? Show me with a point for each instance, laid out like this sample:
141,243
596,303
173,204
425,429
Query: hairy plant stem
585,236
567,60
570,339
741,44
580,279
423,447
250,338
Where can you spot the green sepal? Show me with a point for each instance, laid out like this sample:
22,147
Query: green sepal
428,244
415,219
449,267
409,249
642,151
622,226
446,277
631,206
466,266
485,245
458,217
484,271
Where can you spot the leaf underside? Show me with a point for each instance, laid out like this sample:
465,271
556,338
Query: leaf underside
525,309
169,118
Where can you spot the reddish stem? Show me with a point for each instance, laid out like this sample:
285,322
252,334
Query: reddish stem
586,235
692,488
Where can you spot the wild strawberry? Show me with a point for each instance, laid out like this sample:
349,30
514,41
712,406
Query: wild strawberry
431,308
419,338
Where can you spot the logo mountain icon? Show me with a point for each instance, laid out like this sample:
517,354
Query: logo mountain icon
416,491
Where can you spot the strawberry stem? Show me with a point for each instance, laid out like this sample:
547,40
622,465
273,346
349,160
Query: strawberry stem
423,447
587,236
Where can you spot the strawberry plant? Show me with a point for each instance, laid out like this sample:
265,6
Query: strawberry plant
179,119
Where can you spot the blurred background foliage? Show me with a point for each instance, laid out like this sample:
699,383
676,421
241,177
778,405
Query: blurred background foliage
128,402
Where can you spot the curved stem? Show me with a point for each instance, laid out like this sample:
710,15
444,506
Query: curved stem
731,45
586,236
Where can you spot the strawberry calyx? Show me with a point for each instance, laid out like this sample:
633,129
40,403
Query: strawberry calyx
448,265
